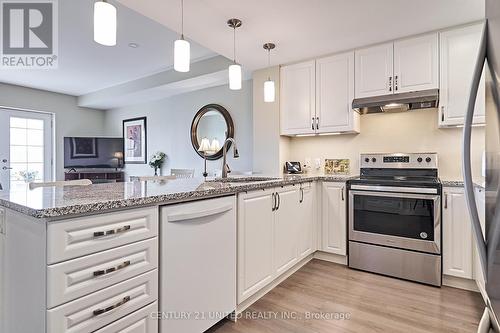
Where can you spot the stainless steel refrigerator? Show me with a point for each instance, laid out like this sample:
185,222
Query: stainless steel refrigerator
487,241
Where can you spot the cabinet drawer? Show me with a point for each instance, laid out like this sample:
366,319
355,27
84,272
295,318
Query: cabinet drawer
82,236
97,310
140,321
75,278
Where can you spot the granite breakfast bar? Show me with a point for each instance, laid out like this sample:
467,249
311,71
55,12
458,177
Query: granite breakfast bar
76,252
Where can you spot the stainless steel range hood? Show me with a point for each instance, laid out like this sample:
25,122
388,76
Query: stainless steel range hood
397,102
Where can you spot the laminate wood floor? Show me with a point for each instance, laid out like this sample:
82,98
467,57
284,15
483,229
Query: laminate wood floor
368,302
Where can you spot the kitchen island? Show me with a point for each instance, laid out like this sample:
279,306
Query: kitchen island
89,258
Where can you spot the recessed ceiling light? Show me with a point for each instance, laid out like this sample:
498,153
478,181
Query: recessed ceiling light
133,45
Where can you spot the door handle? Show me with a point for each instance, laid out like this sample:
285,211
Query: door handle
279,201
6,168
446,201
466,157
342,190
112,232
301,195
442,113
396,83
317,123
4,160
312,124
112,269
390,83
273,197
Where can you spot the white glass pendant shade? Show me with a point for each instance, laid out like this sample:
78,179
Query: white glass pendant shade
182,55
235,77
269,91
104,23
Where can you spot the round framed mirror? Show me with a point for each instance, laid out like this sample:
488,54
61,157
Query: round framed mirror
210,128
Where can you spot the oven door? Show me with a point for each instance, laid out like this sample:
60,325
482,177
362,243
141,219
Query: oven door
402,220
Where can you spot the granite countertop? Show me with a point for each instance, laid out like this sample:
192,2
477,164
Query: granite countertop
53,202
459,183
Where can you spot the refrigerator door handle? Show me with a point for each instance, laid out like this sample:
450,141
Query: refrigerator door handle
466,156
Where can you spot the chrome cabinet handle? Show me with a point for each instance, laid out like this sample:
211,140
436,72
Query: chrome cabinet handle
6,168
390,83
279,201
111,232
396,83
317,123
342,190
446,201
312,124
442,113
112,307
112,269
466,160
301,195
273,196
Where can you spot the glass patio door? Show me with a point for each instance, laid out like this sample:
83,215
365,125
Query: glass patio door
26,148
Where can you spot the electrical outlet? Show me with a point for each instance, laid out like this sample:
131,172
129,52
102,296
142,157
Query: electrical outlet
2,222
317,163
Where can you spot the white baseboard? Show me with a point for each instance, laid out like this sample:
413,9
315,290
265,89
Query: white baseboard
460,283
336,258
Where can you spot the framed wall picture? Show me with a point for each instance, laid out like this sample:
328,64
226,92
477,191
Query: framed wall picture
134,140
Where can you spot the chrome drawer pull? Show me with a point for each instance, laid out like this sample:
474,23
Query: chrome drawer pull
112,307
111,232
112,269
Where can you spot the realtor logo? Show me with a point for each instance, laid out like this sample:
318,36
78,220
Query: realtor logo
29,34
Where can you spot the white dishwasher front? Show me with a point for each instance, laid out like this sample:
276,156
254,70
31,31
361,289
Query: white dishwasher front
197,264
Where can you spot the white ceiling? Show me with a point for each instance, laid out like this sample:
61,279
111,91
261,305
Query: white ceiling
85,66
305,28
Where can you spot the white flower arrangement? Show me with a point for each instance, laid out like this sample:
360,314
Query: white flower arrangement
157,160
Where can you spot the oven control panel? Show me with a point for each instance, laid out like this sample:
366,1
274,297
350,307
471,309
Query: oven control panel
400,161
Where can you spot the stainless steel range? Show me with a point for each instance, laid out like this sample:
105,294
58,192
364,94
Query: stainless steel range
394,214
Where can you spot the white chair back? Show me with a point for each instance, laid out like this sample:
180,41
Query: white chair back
61,183
151,178
182,173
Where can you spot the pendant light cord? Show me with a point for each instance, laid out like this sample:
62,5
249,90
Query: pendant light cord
234,44
182,19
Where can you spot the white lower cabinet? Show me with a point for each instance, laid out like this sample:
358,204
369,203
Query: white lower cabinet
275,231
307,218
255,241
333,218
457,234
286,224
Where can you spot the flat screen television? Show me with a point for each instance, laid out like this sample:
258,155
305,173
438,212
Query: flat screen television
93,152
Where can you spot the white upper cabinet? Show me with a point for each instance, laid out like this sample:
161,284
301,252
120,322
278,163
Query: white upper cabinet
459,52
416,64
334,94
374,71
297,98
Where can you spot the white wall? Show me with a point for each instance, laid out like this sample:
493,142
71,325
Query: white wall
70,120
413,131
169,124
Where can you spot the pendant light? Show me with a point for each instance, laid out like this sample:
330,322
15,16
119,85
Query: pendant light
104,23
234,69
269,87
182,48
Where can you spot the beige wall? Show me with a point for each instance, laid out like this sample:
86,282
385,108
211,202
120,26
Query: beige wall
413,131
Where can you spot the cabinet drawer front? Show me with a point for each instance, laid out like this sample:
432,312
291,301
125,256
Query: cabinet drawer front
82,236
140,321
75,278
97,310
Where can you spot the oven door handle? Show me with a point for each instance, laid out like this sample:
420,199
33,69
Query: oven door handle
466,156
395,189
433,197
